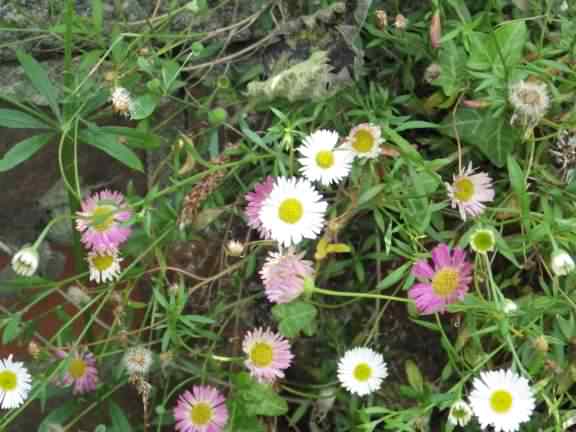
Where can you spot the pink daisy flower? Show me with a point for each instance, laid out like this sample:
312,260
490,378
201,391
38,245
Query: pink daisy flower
102,219
469,191
201,410
283,276
442,284
81,372
268,355
255,200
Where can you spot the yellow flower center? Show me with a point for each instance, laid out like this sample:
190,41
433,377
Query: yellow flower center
102,217
8,381
501,401
463,189
445,281
325,159
290,210
363,141
102,262
77,368
201,414
362,372
261,354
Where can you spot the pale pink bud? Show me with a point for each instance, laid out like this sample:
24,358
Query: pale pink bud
435,30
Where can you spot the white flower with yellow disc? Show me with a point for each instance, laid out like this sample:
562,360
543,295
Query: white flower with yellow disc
501,399
293,211
14,383
361,371
321,160
104,266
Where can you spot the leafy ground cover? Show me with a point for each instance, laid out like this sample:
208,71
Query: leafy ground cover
380,239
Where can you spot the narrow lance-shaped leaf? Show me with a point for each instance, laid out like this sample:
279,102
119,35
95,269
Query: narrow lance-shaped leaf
23,151
40,80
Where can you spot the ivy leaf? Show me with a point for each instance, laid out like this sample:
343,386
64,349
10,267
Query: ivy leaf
254,398
144,106
295,317
493,136
452,62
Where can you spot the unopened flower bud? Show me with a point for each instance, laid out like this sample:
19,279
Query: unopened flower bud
25,261
234,248
400,22
435,30
561,262
541,344
381,19
460,413
33,349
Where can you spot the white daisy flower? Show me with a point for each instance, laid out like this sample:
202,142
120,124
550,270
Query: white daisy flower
293,211
469,192
364,141
321,161
502,399
14,383
460,413
25,261
361,371
104,266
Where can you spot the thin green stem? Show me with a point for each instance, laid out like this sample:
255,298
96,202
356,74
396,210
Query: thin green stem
358,295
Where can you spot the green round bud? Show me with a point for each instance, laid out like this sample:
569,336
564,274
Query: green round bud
217,116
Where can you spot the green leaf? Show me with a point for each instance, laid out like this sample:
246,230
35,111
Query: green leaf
394,277
97,15
119,420
501,48
144,106
40,80
113,148
23,151
493,136
20,120
295,317
12,328
452,62
519,187
136,138
255,398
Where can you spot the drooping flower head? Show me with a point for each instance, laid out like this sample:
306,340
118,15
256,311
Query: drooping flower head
283,275
361,371
443,283
293,211
268,354
561,263
15,383
364,141
201,410
81,371
255,200
321,161
460,413
530,101
25,261
501,399
104,266
470,191
102,221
